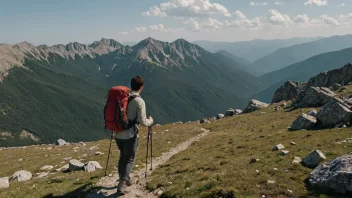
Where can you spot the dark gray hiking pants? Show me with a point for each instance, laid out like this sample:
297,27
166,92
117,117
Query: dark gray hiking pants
128,150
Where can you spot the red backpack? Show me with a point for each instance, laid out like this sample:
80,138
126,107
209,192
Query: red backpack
115,109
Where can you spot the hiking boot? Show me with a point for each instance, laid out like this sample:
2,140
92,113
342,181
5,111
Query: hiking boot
122,187
128,182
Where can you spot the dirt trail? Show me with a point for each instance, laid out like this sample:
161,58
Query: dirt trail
107,186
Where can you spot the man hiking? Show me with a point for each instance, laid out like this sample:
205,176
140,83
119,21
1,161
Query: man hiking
127,141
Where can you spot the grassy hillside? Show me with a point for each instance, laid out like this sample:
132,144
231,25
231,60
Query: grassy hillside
303,71
297,53
51,102
219,165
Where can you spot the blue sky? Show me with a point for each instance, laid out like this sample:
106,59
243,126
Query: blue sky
51,22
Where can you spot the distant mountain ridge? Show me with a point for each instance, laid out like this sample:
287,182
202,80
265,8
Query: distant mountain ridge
287,56
254,49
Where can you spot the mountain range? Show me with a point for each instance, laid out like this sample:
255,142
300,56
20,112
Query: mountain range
254,49
59,91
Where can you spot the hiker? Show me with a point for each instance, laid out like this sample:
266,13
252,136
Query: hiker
127,141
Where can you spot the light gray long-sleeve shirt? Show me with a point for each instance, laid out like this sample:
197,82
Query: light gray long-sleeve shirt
136,108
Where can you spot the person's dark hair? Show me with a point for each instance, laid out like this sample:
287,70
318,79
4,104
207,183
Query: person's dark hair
136,83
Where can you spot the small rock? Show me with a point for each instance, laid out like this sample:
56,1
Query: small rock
313,159
275,169
47,167
220,116
271,182
42,174
61,142
67,158
49,148
296,160
98,153
63,168
83,144
93,148
253,160
278,147
21,176
204,121
83,156
293,143
160,192
20,160
284,152
75,148
75,165
257,171
4,182
290,191
92,166
277,108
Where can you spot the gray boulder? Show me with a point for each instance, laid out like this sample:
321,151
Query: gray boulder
237,111
334,113
254,105
289,91
313,113
335,175
21,176
304,121
284,152
313,159
75,165
230,112
42,174
315,97
220,116
61,142
4,182
92,166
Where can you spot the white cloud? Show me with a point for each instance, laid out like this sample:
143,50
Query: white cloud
346,19
239,15
208,25
316,2
258,4
187,8
325,20
301,19
341,5
161,28
276,18
243,22
123,33
140,29
279,3
154,11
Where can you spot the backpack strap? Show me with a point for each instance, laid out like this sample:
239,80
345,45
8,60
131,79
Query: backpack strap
130,98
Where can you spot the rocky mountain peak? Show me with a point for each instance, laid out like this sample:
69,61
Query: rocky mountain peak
105,46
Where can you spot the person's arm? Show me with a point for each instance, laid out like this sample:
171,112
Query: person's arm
141,113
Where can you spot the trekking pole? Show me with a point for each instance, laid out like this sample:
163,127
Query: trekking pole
107,161
151,147
146,158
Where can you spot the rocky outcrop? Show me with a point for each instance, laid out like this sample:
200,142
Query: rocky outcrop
341,76
205,120
334,113
313,159
315,97
231,112
220,116
333,176
304,121
21,176
254,105
289,91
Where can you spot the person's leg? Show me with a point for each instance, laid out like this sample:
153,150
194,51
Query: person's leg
130,149
121,164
